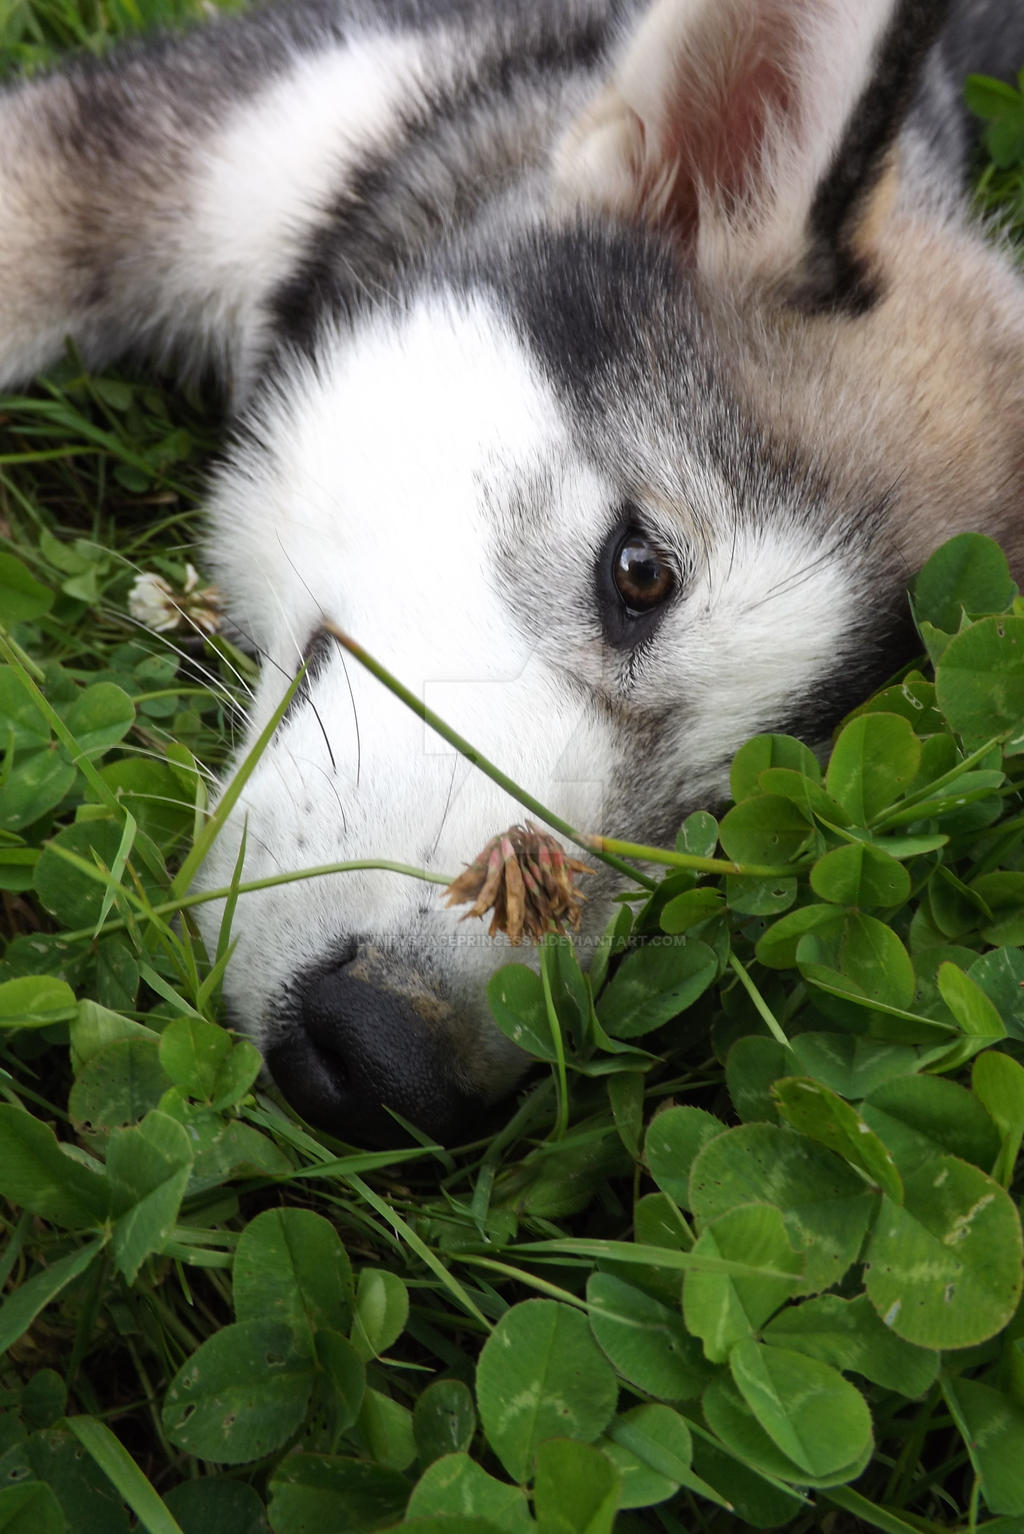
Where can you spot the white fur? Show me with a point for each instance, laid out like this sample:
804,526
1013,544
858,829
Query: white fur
754,635
372,510
266,178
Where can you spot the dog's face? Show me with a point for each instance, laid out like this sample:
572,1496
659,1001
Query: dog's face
635,470
537,503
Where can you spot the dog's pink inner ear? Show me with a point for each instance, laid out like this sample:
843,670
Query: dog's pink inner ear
716,150
719,121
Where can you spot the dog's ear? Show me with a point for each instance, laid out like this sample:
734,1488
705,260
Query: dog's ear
757,132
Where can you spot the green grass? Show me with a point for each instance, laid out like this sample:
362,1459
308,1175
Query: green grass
1000,188
800,1108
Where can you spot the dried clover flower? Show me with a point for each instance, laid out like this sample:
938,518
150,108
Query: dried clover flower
525,876
154,602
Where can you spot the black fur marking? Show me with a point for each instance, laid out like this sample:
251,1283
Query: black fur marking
315,658
621,335
396,206
610,316
838,279
582,295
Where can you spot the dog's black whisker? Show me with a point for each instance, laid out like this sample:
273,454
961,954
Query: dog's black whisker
444,814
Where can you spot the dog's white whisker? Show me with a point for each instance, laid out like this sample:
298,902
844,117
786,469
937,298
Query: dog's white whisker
203,672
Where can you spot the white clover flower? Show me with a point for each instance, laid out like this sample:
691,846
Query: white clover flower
151,601
154,602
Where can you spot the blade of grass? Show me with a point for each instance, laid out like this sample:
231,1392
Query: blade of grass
762,1007
230,904
655,1256
870,1515
415,1244
117,868
108,1452
232,793
524,1276
31,1296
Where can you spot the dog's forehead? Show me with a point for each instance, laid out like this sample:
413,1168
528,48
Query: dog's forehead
572,365
636,360
382,457
615,324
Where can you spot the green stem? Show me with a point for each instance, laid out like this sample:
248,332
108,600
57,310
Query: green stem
470,752
600,844
562,1108
201,897
24,660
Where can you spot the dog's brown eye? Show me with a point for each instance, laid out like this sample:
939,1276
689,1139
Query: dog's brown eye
641,573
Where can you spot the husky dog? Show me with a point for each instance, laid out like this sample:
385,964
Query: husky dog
604,366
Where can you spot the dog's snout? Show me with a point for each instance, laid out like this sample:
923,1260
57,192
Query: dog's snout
354,1049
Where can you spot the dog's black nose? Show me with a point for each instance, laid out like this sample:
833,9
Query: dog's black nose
351,1050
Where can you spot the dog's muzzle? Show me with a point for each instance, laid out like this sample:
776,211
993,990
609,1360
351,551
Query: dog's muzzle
349,1049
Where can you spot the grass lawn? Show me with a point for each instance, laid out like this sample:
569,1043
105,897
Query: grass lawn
755,1263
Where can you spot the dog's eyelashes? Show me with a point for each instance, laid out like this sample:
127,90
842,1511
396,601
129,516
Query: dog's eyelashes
641,573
